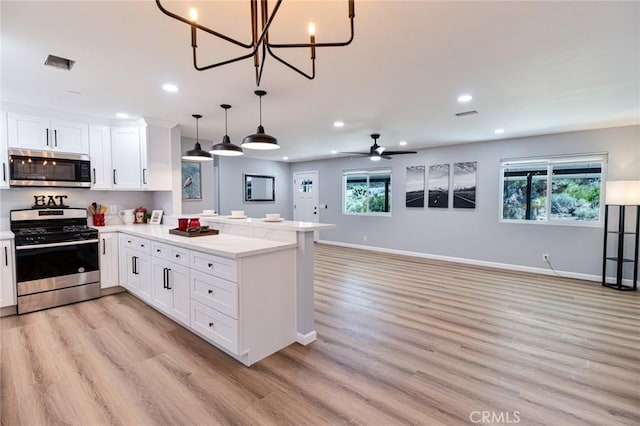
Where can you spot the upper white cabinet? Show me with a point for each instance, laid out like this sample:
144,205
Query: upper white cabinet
126,158
44,133
100,153
4,155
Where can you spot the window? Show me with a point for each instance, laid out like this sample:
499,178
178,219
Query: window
367,192
553,190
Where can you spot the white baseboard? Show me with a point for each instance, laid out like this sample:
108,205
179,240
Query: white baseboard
305,339
475,262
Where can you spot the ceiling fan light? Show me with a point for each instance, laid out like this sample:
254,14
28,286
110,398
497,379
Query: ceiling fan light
375,158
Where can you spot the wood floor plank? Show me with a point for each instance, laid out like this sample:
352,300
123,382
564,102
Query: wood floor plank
401,340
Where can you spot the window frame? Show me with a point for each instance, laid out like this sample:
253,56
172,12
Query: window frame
550,162
368,173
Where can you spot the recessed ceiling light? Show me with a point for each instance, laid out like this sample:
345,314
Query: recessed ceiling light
498,131
122,115
285,158
464,98
338,124
403,143
172,88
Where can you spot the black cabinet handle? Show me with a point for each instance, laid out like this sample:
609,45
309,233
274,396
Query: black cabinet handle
6,256
135,264
164,277
211,324
177,256
114,177
210,265
4,171
104,246
168,283
47,137
158,250
144,176
55,137
210,291
94,175
142,245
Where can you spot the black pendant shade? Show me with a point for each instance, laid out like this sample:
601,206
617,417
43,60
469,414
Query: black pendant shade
226,148
197,153
260,140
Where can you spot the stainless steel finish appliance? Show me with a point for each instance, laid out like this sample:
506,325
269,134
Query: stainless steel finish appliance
56,258
44,168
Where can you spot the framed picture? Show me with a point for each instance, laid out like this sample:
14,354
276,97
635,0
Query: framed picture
414,194
191,183
156,217
439,186
464,185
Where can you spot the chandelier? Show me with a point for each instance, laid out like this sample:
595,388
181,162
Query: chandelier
260,45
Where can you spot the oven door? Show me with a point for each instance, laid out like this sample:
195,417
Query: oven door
45,267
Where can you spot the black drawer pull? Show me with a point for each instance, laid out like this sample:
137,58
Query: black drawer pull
211,324
158,250
178,256
210,291
210,265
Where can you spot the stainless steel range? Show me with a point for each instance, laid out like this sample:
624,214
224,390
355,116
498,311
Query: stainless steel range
56,258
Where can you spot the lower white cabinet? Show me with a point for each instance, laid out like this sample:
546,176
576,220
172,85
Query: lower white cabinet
245,306
170,290
7,275
135,266
109,267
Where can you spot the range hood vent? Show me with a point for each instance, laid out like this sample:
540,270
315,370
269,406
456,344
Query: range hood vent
59,62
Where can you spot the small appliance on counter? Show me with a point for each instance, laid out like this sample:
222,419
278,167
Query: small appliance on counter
127,216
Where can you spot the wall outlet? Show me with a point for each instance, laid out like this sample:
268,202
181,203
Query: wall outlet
364,238
545,257
113,209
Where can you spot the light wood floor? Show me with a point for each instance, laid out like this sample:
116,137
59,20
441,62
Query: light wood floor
400,341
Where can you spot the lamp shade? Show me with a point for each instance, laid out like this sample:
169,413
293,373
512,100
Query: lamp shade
622,192
197,154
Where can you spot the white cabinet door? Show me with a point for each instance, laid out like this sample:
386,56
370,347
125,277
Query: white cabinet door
7,275
29,131
135,273
4,155
69,136
159,171
109,260
100,152
43,133
171,289
126,155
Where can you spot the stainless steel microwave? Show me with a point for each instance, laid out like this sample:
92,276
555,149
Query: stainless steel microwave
44,168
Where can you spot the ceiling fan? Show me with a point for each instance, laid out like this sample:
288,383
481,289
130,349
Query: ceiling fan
376,152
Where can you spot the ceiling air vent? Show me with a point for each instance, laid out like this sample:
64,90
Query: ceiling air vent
463,114
58,62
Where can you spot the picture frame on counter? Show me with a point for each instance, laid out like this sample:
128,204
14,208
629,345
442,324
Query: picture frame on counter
156,217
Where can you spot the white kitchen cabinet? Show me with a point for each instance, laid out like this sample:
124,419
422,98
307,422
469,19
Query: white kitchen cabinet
100,153
157,155
4,154
170,290
109,259
126,158
7,274
45,133
135,266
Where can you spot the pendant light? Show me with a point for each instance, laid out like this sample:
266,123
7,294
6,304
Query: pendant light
197,153
226,148
260,140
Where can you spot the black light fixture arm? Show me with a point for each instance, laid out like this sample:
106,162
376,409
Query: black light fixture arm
259,41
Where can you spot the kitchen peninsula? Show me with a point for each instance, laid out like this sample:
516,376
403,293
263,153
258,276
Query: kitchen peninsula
236,292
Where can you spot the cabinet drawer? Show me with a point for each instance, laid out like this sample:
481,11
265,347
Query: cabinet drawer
216,293
135,243
214,265
168,252
215,326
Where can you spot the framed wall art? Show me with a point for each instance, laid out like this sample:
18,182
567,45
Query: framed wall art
191,181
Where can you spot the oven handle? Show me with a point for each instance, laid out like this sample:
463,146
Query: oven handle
66,243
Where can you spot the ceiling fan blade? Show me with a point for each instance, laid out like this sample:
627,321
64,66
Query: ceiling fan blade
399,152
355,153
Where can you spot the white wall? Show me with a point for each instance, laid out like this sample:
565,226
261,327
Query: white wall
231,188
22,198
477,234
207,179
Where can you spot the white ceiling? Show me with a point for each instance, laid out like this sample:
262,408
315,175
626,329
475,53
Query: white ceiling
532,68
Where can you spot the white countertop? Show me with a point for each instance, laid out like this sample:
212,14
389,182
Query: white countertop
285,225
226,245
6,235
